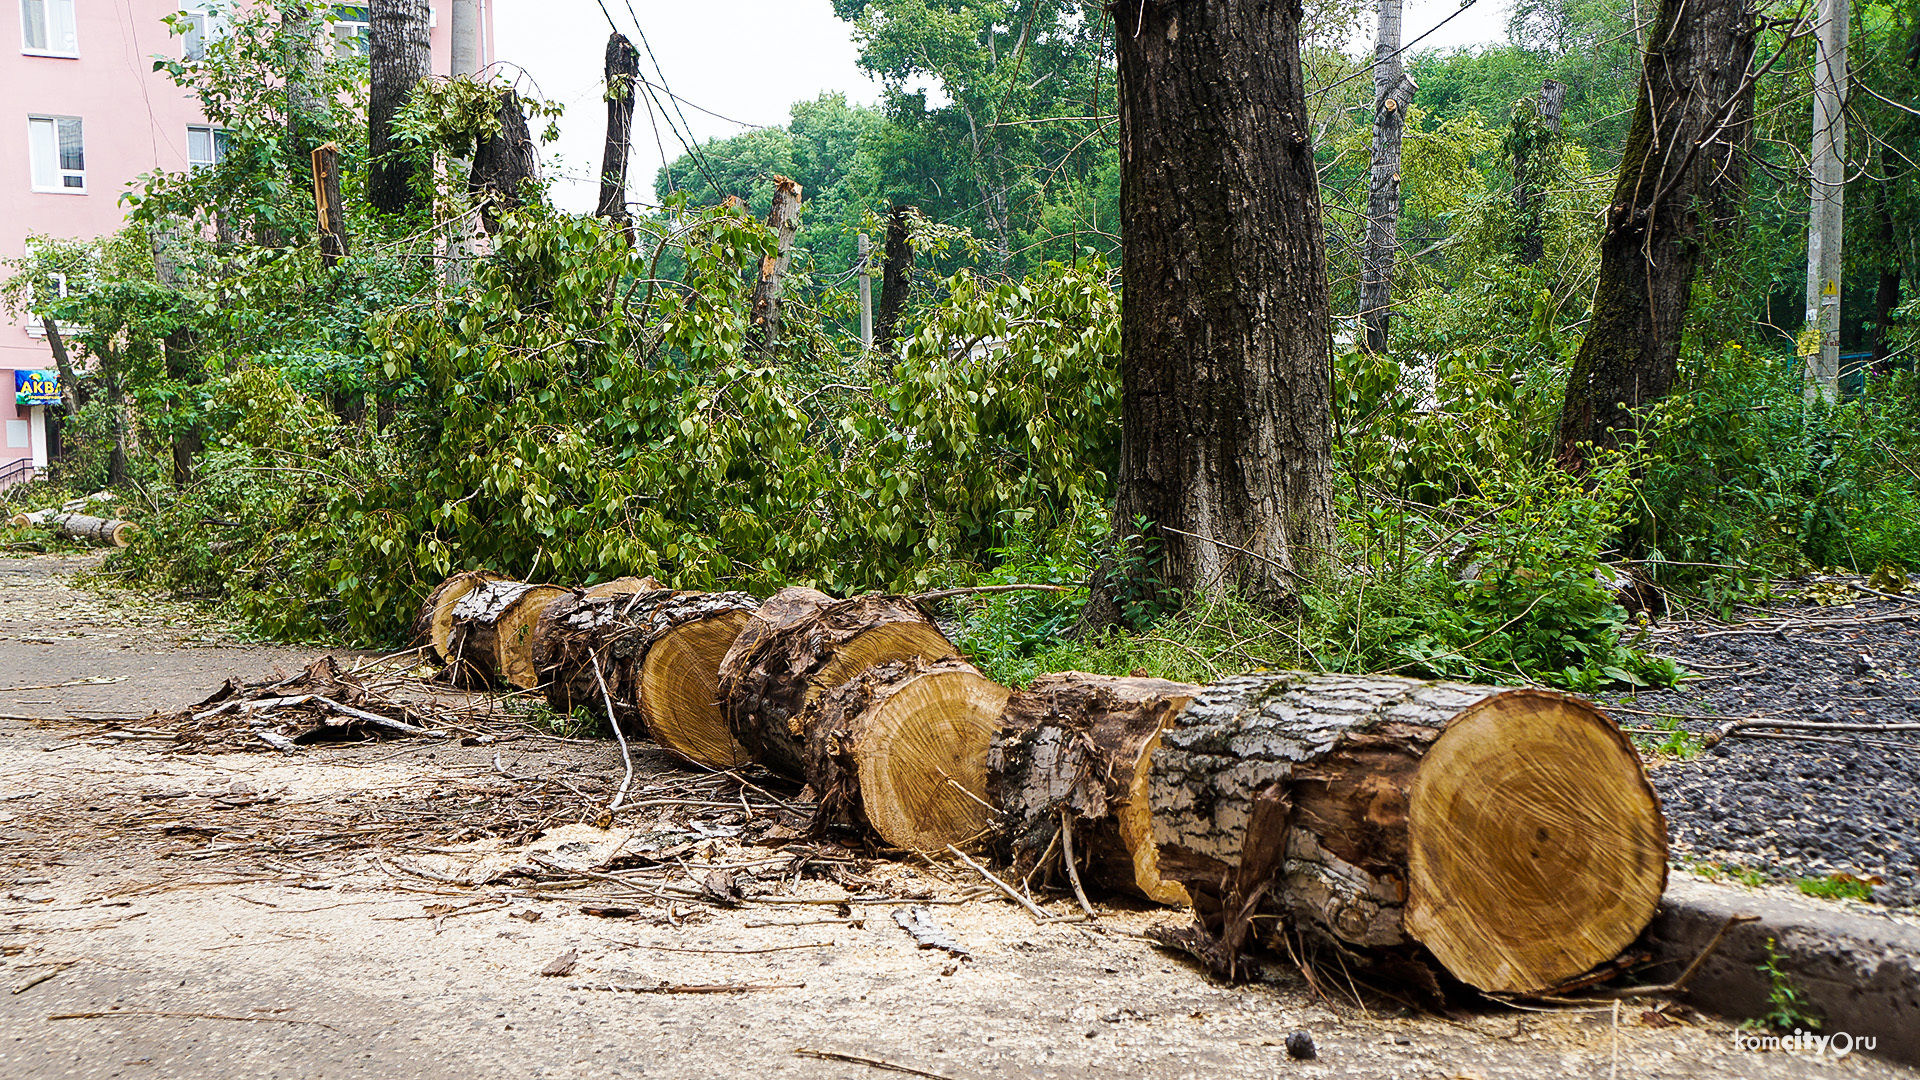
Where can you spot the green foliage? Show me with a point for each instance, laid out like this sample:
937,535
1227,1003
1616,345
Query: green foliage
1741,875
1788,1007
1835,887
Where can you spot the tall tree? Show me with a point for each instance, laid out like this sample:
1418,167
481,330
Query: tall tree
1392,90
1225,366
1682,158
398,58
1825,225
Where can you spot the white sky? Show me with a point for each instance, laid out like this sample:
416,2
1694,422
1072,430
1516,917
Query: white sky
749,60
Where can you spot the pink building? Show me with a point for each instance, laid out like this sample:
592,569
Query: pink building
88,115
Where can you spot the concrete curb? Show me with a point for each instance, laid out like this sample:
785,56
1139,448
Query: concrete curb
1861,972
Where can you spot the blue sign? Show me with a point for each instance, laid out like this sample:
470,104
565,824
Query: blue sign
36,388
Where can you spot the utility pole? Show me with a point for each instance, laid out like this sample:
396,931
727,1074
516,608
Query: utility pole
1820,337
466,37
866,295
1392,90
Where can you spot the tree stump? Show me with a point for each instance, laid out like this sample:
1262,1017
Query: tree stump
1080,745
1512,833
434,624
658,654
901,749
491,643
802,643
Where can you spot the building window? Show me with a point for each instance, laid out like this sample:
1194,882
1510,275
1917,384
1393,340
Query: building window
58,155
352,24
47,28
205,146
196,27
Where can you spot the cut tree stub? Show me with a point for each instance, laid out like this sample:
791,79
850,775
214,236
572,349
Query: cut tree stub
901,749
576,630
434,625
679,676
492,637
802,643
1541,847
1081,744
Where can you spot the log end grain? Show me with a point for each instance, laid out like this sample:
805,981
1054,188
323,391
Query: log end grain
679,690
513,635
623,586
1536,848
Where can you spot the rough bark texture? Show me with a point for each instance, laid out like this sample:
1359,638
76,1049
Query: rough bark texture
1826,212
1223,322
896,279
434,624
398,58
802,643
763,318
576,630
100,530
1534,134
1301,796
502,163
491,643
622,72
326,203
1078,746
901,749
1392,90
1688,131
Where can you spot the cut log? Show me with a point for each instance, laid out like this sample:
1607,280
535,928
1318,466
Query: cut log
802,643
658,654
97,529
434,624
1080,745
622,586
901,749
1512,833
491,643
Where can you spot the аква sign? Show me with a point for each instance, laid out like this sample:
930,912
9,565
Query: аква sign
36,388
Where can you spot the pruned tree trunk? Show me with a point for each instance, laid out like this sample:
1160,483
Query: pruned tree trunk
1826,225
308,111
503,164
463,38
802,643
622,72
1068,769
1225,367
1536,128
398,58
763,318
434,625
1511,834
896,279
1684,149
96,529
1392,91
71,397
327,206
491,643
654,656
901,749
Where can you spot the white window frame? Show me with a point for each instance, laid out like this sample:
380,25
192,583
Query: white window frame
216,145
62,188
209,24
62,42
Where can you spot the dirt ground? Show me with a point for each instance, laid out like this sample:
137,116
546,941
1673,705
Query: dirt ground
303,915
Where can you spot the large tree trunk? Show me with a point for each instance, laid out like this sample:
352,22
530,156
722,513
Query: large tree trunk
1536,129
896,279
1392,90
1226,423
901,749
802,643
1689,127
398,58
503,164
654,656
111,531
1069,770
72,398
1511,833
433,627
623,73
491,643
307,108
763,318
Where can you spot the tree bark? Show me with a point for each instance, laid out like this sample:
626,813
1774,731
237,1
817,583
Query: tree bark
503,164
398,58
1535,131
71,398
1886,296
326,203
802,643
434,625
622,71
1072,757
1826,226
307,108
1225,368
896,278
1392,91
99,530
763,319
1683,151
901,749
464,39
1511,833
491,642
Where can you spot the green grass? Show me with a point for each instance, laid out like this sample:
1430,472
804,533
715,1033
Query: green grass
1741,875
1837,887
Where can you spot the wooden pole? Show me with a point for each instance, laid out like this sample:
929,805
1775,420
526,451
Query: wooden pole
784,219
1820,339
1392,90
866,294
326,204
622,70
896,278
